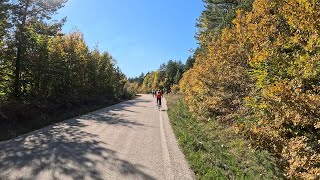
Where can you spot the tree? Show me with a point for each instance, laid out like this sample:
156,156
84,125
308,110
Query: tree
177,77
151,81
261,74
46,71
218,14
25,12
189,63
5,69
172,68
162,70
4,18
140,79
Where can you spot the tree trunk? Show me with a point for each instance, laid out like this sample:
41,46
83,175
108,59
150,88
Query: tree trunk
20,52
17,85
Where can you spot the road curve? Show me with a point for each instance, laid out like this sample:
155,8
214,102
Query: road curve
130,140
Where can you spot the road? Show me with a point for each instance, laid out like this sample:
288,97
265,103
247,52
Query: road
130,140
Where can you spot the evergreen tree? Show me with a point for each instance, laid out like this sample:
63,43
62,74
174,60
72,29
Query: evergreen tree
177,77
189,63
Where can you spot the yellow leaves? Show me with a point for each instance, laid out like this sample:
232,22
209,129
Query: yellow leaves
259,57
152,81
70,44
133,87
302,14
302,159
275,90
305,66
269,63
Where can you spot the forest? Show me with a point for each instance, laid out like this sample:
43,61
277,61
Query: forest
47,75
257,69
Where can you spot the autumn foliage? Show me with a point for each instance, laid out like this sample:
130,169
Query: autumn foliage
38,61
261,74
46,75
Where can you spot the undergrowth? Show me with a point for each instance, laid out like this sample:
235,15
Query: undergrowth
216,151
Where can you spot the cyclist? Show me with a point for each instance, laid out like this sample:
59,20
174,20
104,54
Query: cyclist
159,95
153,93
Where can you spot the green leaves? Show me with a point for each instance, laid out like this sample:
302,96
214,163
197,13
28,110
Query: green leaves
38,61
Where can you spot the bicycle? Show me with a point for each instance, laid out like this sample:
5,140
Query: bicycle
159,107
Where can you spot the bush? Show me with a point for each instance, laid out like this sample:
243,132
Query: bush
216,151
262,75
175,89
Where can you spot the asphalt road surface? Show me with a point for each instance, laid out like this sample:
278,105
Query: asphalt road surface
130,140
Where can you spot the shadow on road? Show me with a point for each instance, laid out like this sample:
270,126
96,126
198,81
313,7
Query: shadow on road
65,150
111,116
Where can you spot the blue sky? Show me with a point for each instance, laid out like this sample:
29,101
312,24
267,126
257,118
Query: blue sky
139,34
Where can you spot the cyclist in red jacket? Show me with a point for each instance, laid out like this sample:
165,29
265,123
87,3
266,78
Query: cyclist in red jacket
159,95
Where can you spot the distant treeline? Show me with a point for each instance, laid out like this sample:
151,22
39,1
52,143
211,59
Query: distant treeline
166,77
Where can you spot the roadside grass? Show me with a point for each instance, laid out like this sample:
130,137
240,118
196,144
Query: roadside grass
216,151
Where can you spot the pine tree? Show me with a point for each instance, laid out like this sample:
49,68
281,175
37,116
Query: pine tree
189,63
23,13
177,77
